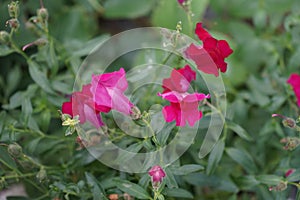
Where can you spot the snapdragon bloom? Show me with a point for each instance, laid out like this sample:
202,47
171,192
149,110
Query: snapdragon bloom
294,81
104,93
108,91
183,106
157,174
210,57
81,103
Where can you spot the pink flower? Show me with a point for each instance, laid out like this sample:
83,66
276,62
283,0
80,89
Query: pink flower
82,104
289,172
181,1
183,107
180,80
108,91
294,81
157,174
209,58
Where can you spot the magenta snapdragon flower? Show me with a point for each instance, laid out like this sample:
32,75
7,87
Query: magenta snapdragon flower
294,81
209,57
157,174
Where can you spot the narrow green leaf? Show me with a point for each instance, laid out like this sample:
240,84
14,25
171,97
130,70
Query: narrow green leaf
239,130
269,179
242,158
178,192
6,159
170,179
39,77
96,189
132,189
187,169
215,157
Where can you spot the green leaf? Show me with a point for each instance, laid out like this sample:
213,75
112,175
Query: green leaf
6,159
215,157
127,9
39,77
242,158
187,169
132,189
2,121
96,189
178,192
170,179
269,179
5,50
246,182
239,130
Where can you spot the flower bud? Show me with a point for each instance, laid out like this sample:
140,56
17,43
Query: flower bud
289,122
157,174
41,175
280,187
13,23
13,9
291,143
43,14
4,37
15,150
113,197
135,113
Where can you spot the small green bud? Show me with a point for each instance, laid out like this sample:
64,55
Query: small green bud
4,37
13,9
13,23
161,197
43,14
41,175
15,150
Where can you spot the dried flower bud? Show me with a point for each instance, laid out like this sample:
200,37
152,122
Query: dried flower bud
291,143
13,23
41,175
280,187
136,113
287,122
13,9
43,14
4,37
15,150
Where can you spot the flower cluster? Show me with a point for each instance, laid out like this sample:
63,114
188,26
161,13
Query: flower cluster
209,57
104,93
183,105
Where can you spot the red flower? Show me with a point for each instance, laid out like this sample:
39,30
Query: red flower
294,81
183,107
108,91
82,104
209,58
180,80
157,174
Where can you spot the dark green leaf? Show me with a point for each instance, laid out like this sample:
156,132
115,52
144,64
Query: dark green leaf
239,130
6,159
187,169
170,179
269,179
5,50
215,156
178,192
39,77
243,158
132,189
96,189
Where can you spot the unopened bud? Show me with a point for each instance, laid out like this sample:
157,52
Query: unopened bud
13,9
43,14
291,143
15,150
13,23
280,187
113,197
289,122
4,37
41,175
